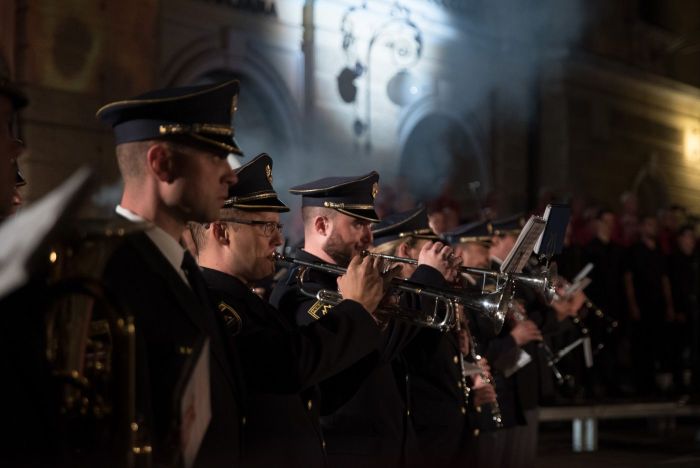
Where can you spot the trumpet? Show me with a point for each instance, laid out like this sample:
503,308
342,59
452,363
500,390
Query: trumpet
542,283
492,305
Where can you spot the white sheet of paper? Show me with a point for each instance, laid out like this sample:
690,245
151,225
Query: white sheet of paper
522,249
195,408
524,359
22,234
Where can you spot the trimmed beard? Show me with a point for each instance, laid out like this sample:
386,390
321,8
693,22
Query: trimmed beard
340,252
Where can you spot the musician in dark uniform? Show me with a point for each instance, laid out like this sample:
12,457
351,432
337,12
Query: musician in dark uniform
438,399
11,100
364,407
525,328
172,149
485,444
282,363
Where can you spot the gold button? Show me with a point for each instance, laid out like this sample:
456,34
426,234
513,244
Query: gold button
476,432
463,410
243,420
478,409
309,404
408,412
455,359
323,444
459,384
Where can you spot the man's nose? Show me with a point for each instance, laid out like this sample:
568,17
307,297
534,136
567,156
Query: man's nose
231,178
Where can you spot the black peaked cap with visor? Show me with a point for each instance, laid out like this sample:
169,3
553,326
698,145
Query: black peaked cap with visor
511,225
411,223
254,191
477,232
353,196
201,116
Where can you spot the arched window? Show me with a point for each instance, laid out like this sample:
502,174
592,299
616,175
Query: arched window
439,157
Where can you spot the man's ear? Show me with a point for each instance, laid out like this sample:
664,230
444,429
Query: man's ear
402,250
159,160
322,225
220,233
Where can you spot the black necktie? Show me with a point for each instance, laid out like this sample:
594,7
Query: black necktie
194,276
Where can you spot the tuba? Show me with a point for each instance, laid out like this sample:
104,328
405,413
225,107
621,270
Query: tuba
89,351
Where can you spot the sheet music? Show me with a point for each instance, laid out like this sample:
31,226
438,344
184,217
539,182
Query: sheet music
22,234
522,249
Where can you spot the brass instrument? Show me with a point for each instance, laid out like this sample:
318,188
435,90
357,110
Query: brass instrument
549,356
492,305
496,415
542,283
90,350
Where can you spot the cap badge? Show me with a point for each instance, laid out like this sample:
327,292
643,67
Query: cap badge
268,173
375,190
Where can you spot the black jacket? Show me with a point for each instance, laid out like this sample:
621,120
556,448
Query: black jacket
439,409
169,321
365,411
282,363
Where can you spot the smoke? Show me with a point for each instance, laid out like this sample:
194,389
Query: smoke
510,42
495,52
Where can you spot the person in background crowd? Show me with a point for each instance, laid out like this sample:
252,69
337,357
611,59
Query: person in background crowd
684,275
650,306
606,291
626,232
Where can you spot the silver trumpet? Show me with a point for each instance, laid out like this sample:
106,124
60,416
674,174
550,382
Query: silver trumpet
443,315
542,283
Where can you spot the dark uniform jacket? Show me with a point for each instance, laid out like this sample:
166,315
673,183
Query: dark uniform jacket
282,363
521,391
169,321
365,407
439,408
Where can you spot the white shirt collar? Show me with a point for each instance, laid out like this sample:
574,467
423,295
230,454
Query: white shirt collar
169,247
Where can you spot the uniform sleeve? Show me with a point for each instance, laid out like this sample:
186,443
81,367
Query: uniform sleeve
289,359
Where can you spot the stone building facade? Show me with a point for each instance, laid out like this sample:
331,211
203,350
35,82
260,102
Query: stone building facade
455,97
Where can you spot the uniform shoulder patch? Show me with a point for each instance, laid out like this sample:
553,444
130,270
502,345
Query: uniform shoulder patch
318,309
231,318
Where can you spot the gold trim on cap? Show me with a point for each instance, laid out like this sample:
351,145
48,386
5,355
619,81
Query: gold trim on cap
355,215
224,146
259,196
425,233
413,216
347,206
178,129
479,239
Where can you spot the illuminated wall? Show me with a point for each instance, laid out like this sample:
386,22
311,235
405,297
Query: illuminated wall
608,129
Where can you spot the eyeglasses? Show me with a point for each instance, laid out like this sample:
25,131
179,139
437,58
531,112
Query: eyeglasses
269,227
